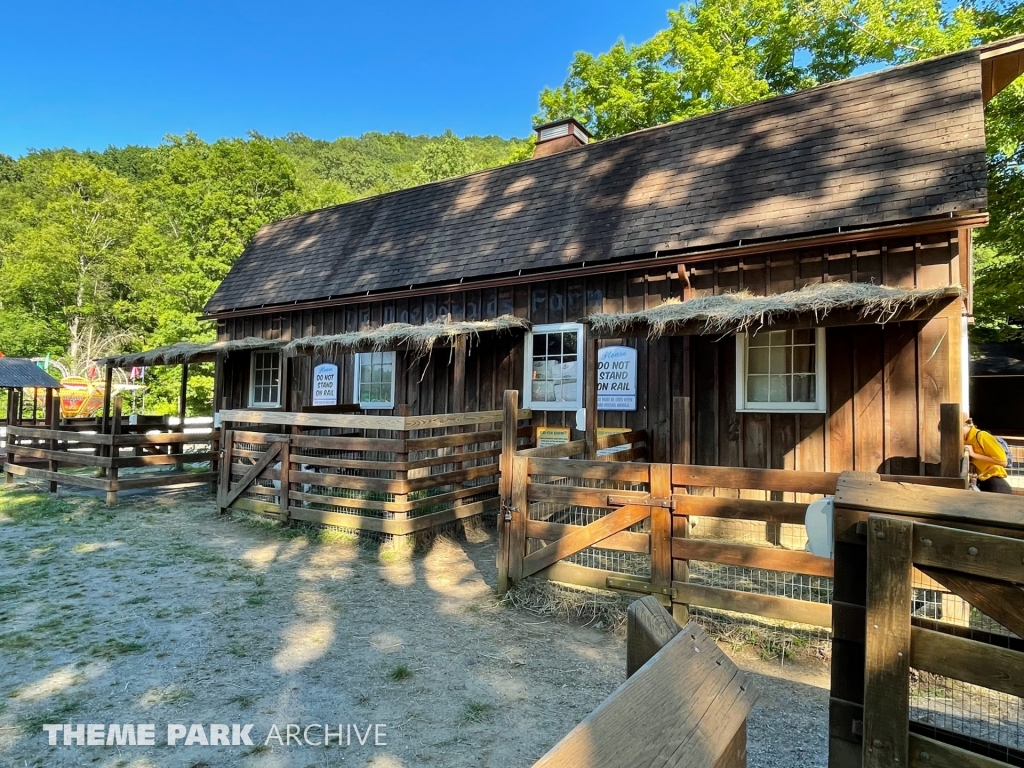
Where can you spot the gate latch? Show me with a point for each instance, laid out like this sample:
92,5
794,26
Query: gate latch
506,512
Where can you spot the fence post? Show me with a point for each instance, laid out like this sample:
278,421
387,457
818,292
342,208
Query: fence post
285,473
661,530
52,416
887,643
681,453
520,514
509,442
114,451
951,439
401,468
590,392
9,441
223,486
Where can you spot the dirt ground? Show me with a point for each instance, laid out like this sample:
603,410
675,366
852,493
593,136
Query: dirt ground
161,612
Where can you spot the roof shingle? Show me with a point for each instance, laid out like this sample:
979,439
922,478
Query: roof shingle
891,146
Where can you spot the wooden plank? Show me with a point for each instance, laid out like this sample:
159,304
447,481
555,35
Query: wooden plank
839,425
649,627
393,527
519,510
951,439
18,470
661,526
571,448
252,474
584,497
868,400
64,457
746,556
769,606
459,458
601,470
449,478
928,502
996,599
41,433
980,554
343,443
755,479
331,421
160,479
583,537
578,575
623,541
887,642
162,438
243,504
681,439
968,660
161,459
457,419
901,393
929,753
741,509
681,710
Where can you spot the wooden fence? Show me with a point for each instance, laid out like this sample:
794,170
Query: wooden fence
393,475
61,449
662,529
888,660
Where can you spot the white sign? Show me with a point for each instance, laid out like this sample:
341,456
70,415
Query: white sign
616,379
325,384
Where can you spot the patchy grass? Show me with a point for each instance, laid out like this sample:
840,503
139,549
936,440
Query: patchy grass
243,700
112,648
401,672
33,508
477,712
59,712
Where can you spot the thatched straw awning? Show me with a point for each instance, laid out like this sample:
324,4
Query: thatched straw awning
833,303
187,352
418,338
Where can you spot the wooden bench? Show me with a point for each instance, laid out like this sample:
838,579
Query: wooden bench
685,704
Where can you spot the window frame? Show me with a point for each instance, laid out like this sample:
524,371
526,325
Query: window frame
528,401
368,405
252,379
819,405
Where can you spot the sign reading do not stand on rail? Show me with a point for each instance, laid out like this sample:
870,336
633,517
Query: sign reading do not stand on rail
325,384
616,379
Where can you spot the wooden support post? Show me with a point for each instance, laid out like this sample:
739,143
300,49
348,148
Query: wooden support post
285,475
115,430
179,448
509,427
887,643
52,412
223,486
9,458
459,375
108,388
661,530
520,514
951,436
590,392
649,627
401,460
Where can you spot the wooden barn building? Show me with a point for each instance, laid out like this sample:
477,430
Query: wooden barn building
799,268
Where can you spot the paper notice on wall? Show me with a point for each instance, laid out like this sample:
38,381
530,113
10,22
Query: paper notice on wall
608,431
325,384
616,379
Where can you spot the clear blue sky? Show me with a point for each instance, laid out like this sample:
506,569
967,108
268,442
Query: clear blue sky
89,74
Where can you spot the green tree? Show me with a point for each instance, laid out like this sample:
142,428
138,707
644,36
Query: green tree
445,158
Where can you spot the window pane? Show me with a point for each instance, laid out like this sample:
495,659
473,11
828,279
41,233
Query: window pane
803,389
803,359
757,389
568,370
569,343
757,360
803,336
779,389
543,391
554,344
780,338
780,360
758,340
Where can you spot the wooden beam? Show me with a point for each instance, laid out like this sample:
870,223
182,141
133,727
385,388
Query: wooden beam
998,600
746,556
979,554
590,392
769,606
887,643
252,474
951,439
585,536
999,669
930,753
649,627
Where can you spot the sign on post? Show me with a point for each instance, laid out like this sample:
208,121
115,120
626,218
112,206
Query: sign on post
548,436
616,379
325,384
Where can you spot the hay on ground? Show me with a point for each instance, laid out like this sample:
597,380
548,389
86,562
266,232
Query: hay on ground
743,311
418,338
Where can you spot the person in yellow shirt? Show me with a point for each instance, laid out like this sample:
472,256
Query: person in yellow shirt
988,459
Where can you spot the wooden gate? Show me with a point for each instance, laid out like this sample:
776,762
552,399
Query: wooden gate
912,686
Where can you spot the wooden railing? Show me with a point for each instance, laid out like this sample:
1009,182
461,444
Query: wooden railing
394,475
885,653
48,452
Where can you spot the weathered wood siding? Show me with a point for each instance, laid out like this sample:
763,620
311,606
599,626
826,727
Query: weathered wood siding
884,384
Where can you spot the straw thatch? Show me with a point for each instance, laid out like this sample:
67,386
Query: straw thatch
418,338
186,352
743,311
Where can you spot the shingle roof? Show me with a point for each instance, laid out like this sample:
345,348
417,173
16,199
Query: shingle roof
890,146
20,372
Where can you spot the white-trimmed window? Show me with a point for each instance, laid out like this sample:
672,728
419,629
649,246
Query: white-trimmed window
375,380
781,371
265,380
554,368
